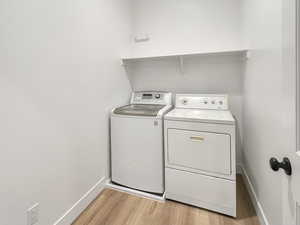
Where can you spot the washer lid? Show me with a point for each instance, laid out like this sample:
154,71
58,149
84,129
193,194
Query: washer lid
139,110
207,116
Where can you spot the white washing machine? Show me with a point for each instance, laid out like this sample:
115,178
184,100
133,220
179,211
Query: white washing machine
137,158
200,151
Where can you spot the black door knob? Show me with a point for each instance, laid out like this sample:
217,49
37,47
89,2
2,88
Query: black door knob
285,165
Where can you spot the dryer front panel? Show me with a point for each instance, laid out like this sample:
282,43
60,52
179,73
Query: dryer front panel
204,148
199,150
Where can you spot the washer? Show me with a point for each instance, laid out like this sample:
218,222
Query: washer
137,141
200,151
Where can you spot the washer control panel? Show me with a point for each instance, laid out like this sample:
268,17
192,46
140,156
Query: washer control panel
151,97
199,101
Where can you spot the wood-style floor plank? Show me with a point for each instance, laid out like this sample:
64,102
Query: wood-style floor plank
112,207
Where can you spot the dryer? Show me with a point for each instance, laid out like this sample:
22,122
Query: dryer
200,151
137,157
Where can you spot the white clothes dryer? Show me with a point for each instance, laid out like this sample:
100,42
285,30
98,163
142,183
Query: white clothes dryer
200,151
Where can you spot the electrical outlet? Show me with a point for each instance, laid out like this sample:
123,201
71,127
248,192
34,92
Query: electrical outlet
33,214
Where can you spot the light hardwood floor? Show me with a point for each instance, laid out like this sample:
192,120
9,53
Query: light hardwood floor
117,208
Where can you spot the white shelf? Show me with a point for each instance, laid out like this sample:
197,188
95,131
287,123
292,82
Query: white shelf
215,52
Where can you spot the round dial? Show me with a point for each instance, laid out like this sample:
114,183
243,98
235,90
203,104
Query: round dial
184,101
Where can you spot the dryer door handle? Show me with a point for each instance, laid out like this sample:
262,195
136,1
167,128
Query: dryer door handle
197,138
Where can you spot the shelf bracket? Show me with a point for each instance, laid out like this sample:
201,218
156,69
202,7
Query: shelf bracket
122,63
181,65
248,55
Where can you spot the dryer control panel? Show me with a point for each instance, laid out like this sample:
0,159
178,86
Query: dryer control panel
151,97
202,101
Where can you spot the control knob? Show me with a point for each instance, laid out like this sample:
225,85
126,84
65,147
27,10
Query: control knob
184,101
157,96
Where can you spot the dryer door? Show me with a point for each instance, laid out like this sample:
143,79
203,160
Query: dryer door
202,151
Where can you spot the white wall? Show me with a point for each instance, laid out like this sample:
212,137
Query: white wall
59,75
180,26
263,95
195,25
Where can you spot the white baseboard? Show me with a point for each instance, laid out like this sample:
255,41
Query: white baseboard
239,168
71,214
257,205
